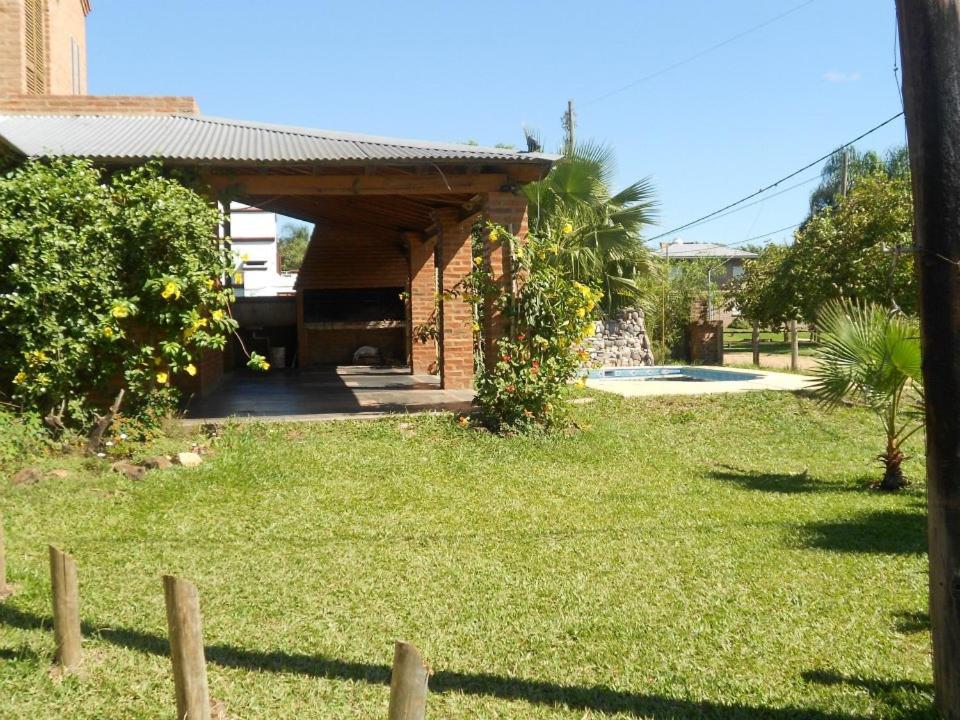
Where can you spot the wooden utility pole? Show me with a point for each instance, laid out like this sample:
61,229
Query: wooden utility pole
844,172
930,55
569,123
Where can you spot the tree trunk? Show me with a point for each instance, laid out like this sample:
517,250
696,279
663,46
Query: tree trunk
930,53
893,479
755,341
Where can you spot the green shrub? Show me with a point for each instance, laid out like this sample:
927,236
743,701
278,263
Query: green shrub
20,438
521,388
105,280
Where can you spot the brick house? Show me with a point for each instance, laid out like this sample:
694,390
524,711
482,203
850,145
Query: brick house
391,216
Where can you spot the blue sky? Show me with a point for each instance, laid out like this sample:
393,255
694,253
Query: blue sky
707,132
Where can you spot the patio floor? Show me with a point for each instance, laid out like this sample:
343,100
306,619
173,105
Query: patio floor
331,393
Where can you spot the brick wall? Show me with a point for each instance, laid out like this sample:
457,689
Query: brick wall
706,342
66,46
509,211
98,105
210,367
456,318
12,72
423,288
349,257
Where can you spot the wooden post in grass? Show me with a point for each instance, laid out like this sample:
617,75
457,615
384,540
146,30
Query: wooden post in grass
408,684
756,343
186,649
930,50
66,609
794,347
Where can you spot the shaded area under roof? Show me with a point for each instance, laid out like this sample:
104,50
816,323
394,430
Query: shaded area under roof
201,138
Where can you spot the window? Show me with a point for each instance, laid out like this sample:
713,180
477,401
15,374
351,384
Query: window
36,50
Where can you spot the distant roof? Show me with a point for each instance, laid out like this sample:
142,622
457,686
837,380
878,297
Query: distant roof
201,138
681,249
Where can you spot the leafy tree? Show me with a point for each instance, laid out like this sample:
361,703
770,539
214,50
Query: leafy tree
103,280
590,232
761,294
292,246
670,293
873,357
850,249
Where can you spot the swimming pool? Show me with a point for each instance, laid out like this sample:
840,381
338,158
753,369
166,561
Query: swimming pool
681,373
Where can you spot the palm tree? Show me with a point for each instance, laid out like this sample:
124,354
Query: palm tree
873,356
589,231
896,163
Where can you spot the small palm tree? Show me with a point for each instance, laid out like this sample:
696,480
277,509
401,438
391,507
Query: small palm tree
873,357
589,231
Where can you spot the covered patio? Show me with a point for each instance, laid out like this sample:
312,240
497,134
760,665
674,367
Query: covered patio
394,223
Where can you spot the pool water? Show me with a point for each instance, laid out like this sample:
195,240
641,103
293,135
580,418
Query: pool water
678,373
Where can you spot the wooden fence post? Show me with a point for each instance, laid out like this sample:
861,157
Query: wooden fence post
794,347
408,684
186,649
66,608
755,343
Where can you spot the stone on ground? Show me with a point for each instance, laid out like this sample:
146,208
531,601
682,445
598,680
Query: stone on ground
189,459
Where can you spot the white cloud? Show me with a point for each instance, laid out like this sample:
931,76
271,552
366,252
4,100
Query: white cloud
835,76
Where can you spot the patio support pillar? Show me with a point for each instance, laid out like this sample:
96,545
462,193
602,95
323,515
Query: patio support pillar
508,210
423,288
455,260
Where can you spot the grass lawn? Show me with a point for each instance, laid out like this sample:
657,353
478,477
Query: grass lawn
681,557
770,342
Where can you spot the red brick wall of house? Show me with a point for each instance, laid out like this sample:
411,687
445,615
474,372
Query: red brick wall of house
349,257
423,288
210,367
456,316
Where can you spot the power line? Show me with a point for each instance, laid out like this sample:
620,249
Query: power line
700,54
775,184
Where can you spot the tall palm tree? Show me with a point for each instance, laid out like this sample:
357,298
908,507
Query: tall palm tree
896,163
586,229
873,357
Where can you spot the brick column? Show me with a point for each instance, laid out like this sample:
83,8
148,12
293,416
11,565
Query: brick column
423,288
456,321
509,211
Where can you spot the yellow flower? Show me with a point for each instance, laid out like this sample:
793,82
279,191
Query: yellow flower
20,378
264,365
463,421
581,382
478,261
567,228
120,311
494,235
162,378
518,251
35,357
581,312
216,315
108,332
245,257
170,290
476,327
209,284
191,369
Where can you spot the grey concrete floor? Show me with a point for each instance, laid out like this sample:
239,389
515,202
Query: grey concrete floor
318,394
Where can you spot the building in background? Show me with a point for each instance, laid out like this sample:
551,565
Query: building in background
724,263
254,235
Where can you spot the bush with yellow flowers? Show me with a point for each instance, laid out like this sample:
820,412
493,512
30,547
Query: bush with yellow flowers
522,384
105,281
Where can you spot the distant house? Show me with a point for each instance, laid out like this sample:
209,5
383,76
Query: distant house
253,236
725,263
728,260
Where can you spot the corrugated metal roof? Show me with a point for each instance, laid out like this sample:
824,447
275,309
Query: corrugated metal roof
704,250
201,138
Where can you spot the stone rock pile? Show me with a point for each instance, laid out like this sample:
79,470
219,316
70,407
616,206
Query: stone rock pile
620,342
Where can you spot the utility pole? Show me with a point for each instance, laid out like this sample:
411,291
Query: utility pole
844,170
930,56
569,123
